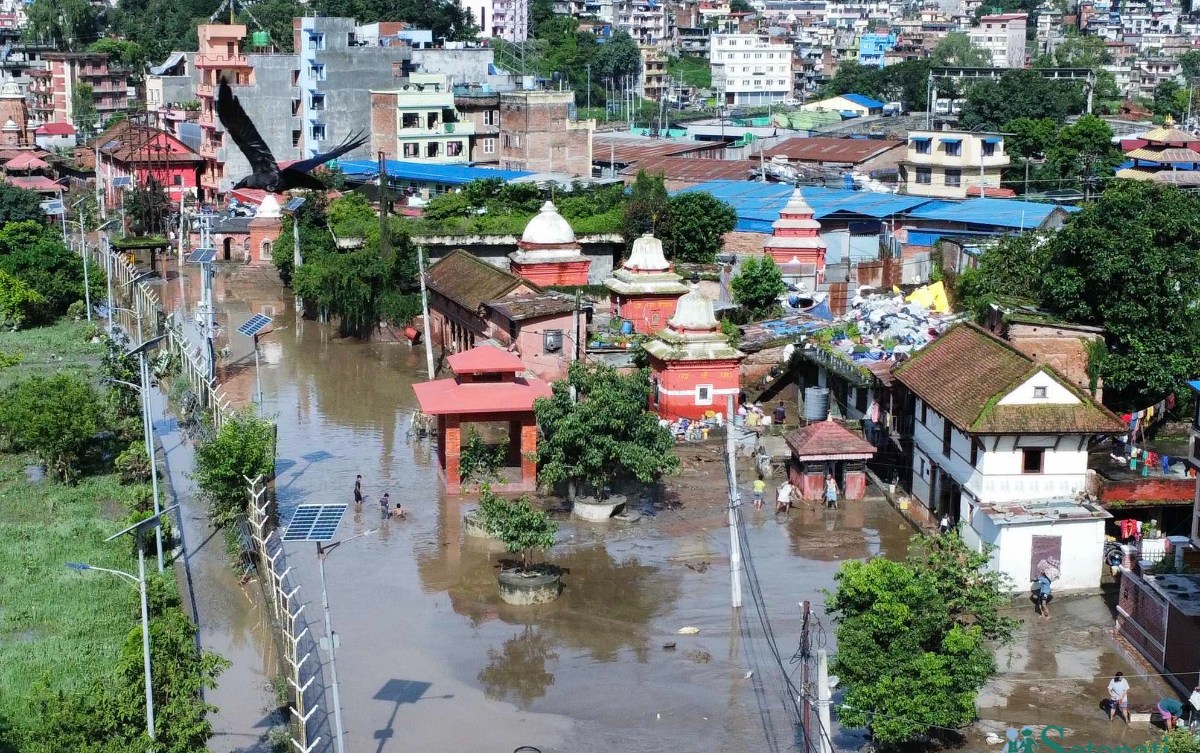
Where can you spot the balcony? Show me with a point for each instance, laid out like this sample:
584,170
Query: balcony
236,60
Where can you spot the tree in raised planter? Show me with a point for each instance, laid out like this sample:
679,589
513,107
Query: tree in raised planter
597,426
524,529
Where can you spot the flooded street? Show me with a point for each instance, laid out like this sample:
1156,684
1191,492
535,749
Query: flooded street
429,656
431,659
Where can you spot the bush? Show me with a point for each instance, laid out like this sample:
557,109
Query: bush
133,465
479,461
56,418
243,448
522,527
19,303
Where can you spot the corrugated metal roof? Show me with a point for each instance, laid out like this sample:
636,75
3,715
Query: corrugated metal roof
451,175
863,101
626,149
827,149
829,201
993,212
757,204
696,170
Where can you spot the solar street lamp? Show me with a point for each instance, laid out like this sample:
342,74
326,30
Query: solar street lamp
148,430
253,328
138,530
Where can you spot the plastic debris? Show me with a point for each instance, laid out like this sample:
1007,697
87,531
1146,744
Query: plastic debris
688,630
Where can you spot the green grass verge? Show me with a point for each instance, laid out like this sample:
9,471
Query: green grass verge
60,626
63,346
694,71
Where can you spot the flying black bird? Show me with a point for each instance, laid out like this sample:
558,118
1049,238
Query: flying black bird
267,174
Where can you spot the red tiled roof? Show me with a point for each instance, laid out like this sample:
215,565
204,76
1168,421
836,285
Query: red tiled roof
57,128
445,396
964,373
485,359
26,161
830,149
38,183
828,440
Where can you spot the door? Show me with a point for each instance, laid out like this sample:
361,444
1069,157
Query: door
1045,553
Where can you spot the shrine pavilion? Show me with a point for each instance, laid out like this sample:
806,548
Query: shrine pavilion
796,237
1167,156
486,388
548,253
644,290
693,367
827,447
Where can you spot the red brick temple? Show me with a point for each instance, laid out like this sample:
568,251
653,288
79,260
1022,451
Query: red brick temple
693,368
825,447
486,388
548,253
644,290
797,236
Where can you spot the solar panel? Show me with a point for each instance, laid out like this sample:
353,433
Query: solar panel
122,182
314,523
52,207
254,325
293,204
202,256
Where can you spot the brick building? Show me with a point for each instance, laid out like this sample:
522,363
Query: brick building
538,133
52,89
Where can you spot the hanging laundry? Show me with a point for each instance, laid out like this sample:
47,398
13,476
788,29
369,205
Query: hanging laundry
1130,529
1171,401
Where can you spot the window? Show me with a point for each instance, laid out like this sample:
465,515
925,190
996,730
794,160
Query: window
860,399
412,150
177,180
316,41
295,78
954,178
1039,393
953,148
489,146
491,117
454,148
1031,460
296,139
924,175
318,132
947,435
318,101
924,413
295,107
976,449
433,149
266,250
410,120
704,394
989,149
316,72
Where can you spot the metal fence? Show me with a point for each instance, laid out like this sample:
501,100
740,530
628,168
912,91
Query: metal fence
263,550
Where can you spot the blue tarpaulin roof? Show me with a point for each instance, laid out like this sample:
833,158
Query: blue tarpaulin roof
863,101
1005,213
427,172
757,204
951,141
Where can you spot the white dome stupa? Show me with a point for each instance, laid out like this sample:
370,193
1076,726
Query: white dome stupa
548,228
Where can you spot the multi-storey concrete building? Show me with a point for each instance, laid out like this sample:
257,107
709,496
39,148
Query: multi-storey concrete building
747,69
538,133
953,164
653,80
1002,36
479,105
52,89
873,48
419,121
649,22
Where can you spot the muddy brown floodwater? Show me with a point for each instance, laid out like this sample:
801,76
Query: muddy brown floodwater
429,657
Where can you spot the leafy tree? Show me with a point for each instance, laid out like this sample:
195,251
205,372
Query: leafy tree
19,304
36,254
522,527
852,77
445,17
912,638
757,286
904,82
1084,150
1129,263
243,448
956,49
480,461
1190,62
649,209
70,24
122,52
19,205
699,221
348,286
1020,94
147,206
159,26
83,109
602,431
740,6
1012,267
1082,51
1169,99
540,11
618,56
56,418
275,18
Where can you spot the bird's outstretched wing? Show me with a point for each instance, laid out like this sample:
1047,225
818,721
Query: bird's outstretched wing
241,129
350,144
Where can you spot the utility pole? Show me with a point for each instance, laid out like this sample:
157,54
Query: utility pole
824,700
735,544
384,246
425,312
182,224
806,679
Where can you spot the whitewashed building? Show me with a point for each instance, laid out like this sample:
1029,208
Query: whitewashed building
1000,443
749,70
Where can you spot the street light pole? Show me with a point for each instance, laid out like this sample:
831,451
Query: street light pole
87,288
148,432
322,553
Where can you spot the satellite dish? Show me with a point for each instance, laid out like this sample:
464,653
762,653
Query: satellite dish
833,681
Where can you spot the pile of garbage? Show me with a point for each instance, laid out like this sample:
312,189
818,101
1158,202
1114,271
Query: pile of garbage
889,327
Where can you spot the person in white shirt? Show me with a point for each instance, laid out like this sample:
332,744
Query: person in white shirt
783,497
1118,697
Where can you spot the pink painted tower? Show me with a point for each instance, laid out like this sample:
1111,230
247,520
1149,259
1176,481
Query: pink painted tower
644,290
797,236
692,365
547,253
